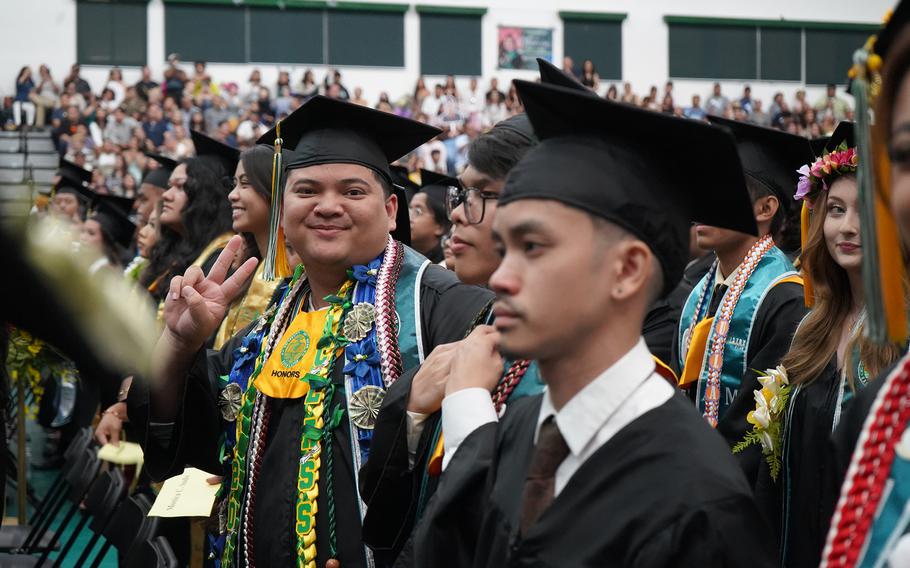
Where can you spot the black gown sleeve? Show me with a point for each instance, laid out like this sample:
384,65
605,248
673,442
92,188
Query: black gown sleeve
776,321
449,531
192,439
721,534
389,486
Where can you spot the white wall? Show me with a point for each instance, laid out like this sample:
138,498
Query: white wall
44,31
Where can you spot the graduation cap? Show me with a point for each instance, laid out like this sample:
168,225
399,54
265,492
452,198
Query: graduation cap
74,180
160,176
890,33
519,124
769,156
329,131
844,133
652,186
112,213
401,178
436,187
228,156
818,145
553,75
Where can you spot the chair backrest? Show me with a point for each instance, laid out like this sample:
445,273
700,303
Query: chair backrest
103,497
131,523
81,440
152,553
82,475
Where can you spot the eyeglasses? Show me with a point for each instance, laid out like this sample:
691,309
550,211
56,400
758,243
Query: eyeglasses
473,199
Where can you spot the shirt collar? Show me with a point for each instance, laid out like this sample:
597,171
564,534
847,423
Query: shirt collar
584,415
719,277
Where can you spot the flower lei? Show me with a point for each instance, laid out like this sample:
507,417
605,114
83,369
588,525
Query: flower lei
767,418
815,177
26,359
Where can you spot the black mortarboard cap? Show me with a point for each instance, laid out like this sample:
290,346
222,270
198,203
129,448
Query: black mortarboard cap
769,156
843,133
650,185
401,178
112,213
328,131
520,125
160,176
436,187
228,156
75,180
818,145
553,75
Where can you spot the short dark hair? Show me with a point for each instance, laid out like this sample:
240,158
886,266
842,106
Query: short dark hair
496,152
759,189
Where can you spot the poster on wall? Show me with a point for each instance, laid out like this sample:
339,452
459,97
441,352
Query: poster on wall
519,48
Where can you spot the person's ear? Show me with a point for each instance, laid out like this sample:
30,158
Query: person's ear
631,269
391,210
766,208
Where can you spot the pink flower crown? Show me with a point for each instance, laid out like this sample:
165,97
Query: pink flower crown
815,177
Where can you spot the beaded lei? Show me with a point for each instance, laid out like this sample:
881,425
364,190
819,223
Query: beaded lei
375,281
722,323
868,473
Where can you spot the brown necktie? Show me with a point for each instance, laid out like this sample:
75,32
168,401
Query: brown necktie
540,485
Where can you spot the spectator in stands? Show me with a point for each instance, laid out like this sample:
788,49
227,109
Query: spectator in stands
343,93
759,116
22,104
44,96
107,157
116,85
174,80
134,105
800,105
568,67
450,88
654,103
471,100
778,106
154,125
66,127
225,134
831,102
432,104
358,97
266,110
96,124
628,96
81,85
308,86
145,84
217,113
495,110
666,105
494,86
589,76
612,92
695,111
108,100
746,100
717,103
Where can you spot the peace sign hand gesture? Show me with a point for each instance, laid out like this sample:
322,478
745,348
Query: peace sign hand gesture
196,303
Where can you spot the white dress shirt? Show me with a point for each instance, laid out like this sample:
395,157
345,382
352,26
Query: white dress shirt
618,396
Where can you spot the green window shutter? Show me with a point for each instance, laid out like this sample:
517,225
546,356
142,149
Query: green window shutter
829,54
450,43
286,36
699,51
369,37
205,32
781,54
111,33
597,39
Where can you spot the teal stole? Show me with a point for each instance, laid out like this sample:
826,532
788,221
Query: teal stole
407,308
773,267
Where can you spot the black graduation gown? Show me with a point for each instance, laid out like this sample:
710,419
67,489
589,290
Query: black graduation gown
642,499
448,308
662,318
779,314
794,503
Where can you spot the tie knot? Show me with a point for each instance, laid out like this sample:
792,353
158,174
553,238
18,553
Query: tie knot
550,451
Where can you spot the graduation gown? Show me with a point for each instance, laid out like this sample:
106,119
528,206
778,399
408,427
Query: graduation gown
642,499
447,309
794,504
776,320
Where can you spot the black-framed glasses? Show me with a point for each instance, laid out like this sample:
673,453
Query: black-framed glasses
473,199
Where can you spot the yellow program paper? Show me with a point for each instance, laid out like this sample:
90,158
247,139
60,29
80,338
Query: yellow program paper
127,453
185,495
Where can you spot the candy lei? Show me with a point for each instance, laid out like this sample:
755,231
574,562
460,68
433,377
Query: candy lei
868,473
722,326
